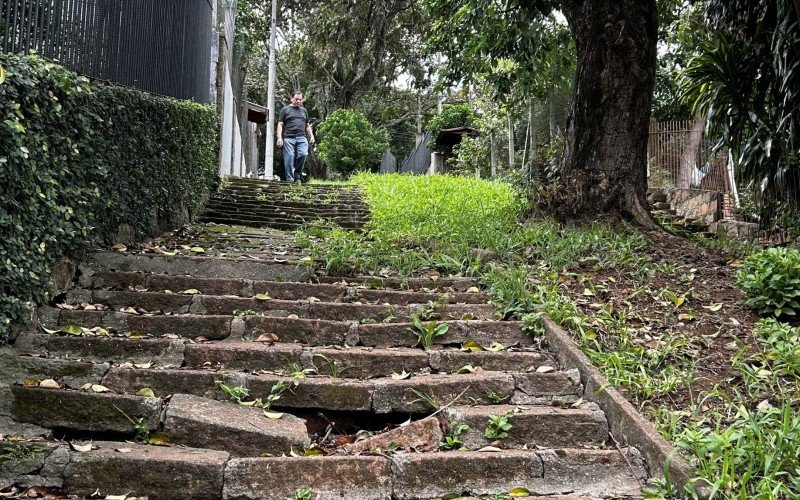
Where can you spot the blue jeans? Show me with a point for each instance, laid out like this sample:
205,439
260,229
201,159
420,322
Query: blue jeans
295,150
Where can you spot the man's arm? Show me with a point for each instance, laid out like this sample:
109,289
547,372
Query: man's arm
309,133
279,134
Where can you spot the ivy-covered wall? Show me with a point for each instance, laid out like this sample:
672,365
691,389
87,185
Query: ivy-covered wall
80,160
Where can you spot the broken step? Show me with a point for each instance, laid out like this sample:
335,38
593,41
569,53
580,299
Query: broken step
84,410
227,426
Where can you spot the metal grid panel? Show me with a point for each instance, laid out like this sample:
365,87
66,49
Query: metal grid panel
163,47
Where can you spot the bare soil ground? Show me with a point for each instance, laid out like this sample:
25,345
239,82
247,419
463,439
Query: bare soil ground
690,294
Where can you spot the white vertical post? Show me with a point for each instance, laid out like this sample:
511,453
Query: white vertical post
270,143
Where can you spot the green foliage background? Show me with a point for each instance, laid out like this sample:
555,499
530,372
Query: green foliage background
78,160
348,143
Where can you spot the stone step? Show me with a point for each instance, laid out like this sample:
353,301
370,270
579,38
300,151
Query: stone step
286,290
196,266
162,351
432,282
227,426
254,221
301,330
355,362
136,470
117,468
596,473
417,394
657,197
661,205
278,212
224,305
532,426
277,205
85,410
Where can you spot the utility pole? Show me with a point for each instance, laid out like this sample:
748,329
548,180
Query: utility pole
270,143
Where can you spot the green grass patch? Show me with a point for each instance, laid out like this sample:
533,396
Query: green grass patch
452,224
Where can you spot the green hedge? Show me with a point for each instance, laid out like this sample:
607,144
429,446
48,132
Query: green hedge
79,160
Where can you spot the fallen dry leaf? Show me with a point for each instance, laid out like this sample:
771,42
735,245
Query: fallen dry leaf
49,384
267,337
81,447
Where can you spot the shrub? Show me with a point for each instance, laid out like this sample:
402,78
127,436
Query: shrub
348,143
78,160
771,280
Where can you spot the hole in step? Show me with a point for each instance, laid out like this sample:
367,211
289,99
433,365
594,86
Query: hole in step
332,429
61,434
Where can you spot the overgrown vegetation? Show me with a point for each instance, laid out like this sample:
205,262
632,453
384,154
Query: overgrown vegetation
80,160
771,279
641,318
452,224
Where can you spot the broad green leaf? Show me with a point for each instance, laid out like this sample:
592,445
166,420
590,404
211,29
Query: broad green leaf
146,392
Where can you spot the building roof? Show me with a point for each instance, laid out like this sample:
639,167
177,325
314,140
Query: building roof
453,136
256,113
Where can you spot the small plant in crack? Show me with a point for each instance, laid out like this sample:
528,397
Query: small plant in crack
452,439
238,393
494,397
139,425
429,399
296,371
497,426
20,452
241,313
428,332
277,390
302,494
334,369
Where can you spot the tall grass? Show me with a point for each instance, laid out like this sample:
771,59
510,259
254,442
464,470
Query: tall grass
424,222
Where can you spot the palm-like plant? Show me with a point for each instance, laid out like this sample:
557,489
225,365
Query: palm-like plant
747,83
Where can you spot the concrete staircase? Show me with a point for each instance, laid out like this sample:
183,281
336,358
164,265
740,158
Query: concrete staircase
237,373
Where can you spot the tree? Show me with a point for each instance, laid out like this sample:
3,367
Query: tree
349,49
605,159
348,143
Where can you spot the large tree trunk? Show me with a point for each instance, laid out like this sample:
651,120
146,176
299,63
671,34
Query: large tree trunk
606,150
